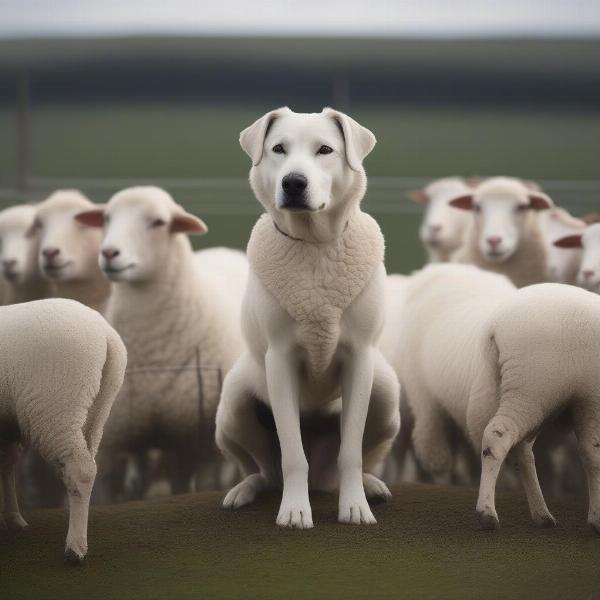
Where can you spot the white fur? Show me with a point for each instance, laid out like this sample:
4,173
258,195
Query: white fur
500,362
562,263
504,211
74,269
19,249
61,368
173,308
443,227
311,319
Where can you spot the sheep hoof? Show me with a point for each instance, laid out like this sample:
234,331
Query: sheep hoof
72,558
545,521
595,528
488,520
376,490
14,521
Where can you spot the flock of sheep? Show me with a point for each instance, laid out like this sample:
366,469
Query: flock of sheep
476,346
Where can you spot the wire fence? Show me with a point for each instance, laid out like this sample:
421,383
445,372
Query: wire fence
232,196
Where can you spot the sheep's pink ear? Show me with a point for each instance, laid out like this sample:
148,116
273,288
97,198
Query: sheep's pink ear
91,218
186,223
539,201
463,202
473,181
569,241
418,196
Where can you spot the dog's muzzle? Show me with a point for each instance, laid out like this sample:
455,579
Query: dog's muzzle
294,188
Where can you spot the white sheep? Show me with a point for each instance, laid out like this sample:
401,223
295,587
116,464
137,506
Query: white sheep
562,264
505,235
176,310
69,252
500,362
62,366
587,242
20,246
443,226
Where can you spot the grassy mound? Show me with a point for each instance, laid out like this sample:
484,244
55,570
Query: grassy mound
426,545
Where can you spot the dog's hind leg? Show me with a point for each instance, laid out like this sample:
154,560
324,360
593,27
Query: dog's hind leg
243,439
381,429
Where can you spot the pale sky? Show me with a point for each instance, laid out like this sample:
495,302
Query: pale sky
415,18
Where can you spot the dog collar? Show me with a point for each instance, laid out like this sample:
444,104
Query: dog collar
286,234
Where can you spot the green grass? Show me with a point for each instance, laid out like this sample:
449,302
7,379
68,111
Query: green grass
426,545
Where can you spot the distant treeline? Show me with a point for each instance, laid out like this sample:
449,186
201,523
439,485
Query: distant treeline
306,73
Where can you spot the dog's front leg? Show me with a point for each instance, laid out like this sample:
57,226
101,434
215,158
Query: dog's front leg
357,383
284,390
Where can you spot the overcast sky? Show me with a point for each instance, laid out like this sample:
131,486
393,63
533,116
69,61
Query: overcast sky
24,18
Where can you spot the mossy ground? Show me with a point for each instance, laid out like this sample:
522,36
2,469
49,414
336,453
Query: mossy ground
427,544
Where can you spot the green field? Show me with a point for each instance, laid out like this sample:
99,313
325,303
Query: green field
426,545
151,143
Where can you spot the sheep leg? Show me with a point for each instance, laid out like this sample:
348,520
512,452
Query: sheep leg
78,474
430,436
357,386
381,428
524,462
242,438
9,456
499,437
284,390
587,429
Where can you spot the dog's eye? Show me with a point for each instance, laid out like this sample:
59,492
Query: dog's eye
158,223
325,150
278,149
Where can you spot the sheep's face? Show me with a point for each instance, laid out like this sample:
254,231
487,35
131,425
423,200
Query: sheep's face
503,209
562,266
305,163
589,271
19,245
68,250
140,229
443,225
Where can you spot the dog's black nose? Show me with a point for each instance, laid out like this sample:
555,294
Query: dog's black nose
294,185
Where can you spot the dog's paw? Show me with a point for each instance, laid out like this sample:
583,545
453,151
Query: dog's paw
375,489
355,509
245,492
295,512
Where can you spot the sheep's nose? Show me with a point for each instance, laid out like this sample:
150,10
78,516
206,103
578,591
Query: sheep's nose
50,253
8,263
294,184
494,240
110,252
587,273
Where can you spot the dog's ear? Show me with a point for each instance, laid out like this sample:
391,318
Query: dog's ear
359,140
252,139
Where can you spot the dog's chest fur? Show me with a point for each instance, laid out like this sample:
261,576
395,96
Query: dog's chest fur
315,283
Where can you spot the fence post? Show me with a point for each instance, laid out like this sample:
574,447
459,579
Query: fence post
23,132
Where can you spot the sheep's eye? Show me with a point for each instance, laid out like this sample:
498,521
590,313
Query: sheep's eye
278,149
325,150
522,208
477,208
158,223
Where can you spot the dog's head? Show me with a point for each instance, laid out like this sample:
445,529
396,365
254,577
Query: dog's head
306,162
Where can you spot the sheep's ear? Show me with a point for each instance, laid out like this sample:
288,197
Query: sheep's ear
91,218
569,241
463,202
473,181
33,228
252,139
418,196
532,186
540,201
359,141
184,222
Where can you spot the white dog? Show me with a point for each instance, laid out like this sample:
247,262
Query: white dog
312,316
